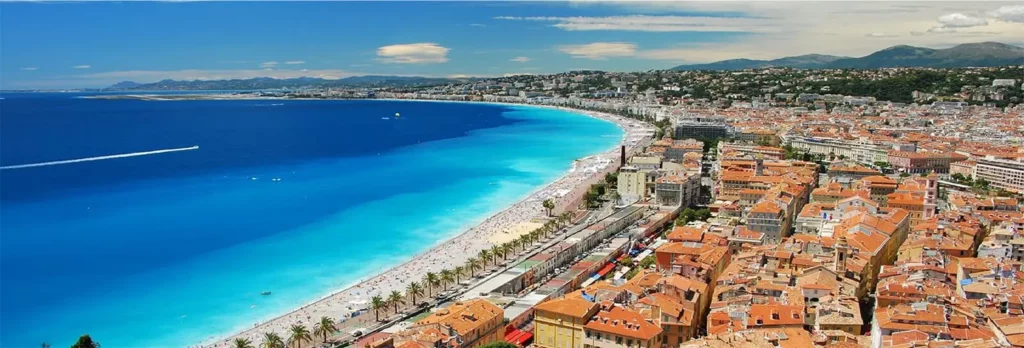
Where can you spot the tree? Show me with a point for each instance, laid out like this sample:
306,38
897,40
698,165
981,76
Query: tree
85,342
432,281
506,249
981,184
548,205
473,264
299,334
611,179
484,255
272,340
378,303
495,252
459,271
447,277
243,343
414,289
686,216
396,300
324,328
499,345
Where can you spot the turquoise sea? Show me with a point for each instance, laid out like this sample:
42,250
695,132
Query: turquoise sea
295,197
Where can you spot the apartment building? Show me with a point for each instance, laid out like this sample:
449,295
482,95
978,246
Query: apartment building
1001,173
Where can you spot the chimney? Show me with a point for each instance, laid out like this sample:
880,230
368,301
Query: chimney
622,155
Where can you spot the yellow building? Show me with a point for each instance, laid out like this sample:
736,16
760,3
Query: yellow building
559,323
477,322
615,327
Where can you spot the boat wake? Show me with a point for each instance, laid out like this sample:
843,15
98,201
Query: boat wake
99,158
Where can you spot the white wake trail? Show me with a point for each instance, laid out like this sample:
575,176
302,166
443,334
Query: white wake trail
100,158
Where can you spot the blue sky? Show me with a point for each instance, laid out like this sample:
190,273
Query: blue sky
69,45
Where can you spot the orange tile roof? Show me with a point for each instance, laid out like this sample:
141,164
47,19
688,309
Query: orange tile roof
573,307
619,321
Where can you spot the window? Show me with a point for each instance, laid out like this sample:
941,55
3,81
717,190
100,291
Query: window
618,340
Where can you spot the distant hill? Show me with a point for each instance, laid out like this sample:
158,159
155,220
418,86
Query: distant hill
964,55
272,83
124,85
809,61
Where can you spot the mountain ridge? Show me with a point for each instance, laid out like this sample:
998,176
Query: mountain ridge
964,55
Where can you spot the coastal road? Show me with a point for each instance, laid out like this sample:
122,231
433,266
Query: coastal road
345,337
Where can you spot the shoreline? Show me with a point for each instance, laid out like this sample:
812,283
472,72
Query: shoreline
452,251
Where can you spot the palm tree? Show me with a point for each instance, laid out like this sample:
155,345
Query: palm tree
432,281
243,343
548,205
447,277
272,340
506,249
414,289
299,334
485,255
495,251
566,217
378,303
325,327
473,264
395,299
459,272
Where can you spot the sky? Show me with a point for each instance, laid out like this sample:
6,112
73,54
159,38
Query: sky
46,45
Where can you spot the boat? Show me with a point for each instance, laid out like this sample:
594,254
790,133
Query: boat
265,293
398,115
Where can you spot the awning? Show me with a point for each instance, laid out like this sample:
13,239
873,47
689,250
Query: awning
519,337
511,336
523,339
604,270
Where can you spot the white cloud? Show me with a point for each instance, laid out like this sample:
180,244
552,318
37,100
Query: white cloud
824,27
1009,13
656,23
960,20
881,35
600,50
941,30
520,59
414,53
459,76
29,69
269,64
294,62
82,66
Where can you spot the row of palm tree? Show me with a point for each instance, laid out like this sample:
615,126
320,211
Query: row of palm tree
298,334
433,281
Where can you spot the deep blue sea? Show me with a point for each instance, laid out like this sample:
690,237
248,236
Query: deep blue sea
295,197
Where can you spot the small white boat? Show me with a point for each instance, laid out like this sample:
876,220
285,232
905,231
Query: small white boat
265,293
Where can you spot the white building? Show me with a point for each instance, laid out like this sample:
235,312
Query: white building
632,184
1000,173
